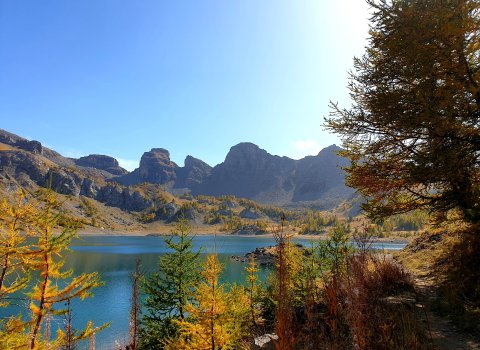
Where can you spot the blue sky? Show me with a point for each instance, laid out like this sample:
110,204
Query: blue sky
120,77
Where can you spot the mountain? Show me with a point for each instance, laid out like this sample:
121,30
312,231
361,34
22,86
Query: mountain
251,172
157,168
29,165
321,178
247,172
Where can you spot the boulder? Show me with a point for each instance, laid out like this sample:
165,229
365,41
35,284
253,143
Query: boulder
266,341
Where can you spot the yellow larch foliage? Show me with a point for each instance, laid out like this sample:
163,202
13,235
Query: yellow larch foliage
218,319
46,258
14,229
15,226
252,289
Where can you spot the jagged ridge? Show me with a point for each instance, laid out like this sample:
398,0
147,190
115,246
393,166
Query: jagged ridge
248,172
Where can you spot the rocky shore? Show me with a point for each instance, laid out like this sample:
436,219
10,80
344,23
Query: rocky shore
264,256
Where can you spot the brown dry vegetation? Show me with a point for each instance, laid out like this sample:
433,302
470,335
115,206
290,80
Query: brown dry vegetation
4,147
445,265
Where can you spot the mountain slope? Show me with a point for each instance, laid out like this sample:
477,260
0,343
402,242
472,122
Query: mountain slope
251,172
247,172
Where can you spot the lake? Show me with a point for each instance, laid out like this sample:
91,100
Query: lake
114,258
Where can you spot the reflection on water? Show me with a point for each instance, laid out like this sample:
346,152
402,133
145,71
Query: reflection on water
114,258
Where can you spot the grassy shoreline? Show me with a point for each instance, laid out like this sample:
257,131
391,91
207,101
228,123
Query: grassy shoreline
209,230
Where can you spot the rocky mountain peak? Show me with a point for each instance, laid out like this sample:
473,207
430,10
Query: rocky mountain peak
161,152
17,141
156,166
332,149
193,173
245,154
248,171
245,148
192,162
102,162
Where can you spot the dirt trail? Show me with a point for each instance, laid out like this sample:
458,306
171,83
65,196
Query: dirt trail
443,332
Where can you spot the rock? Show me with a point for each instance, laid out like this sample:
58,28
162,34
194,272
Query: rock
101,162
225,212
190,214
135,201
229,204
251,213
7,138
33,146
266,341
168,211
123,197
264,256
315,175
248,171
63,182
156,167
249,230
88,188
16,163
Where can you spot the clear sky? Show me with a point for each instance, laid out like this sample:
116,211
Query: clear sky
119,77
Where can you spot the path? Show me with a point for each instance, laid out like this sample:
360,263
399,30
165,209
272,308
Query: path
443,332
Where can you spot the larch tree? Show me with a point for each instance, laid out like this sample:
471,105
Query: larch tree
413,131
169,290
54,286
252,289
135,309
286,267
15,221
216,318
14,228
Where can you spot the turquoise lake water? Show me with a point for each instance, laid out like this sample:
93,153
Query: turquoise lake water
114,258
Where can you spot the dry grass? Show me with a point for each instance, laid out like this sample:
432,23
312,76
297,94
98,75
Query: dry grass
371,305
376,298
459,282
446,262
4,147
420,256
